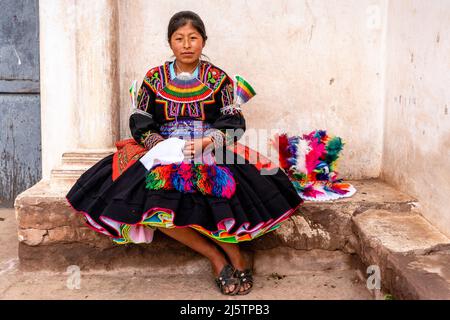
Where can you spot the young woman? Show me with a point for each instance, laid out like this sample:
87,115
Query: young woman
204,206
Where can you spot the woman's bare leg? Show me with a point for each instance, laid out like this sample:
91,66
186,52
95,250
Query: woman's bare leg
195,241
236,258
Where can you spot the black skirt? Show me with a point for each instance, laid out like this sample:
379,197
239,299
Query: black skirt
128,212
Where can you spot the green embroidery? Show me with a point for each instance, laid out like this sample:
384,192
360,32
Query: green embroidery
155,76
210,78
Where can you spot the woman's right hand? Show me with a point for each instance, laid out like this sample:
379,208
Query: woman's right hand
188,150
195,147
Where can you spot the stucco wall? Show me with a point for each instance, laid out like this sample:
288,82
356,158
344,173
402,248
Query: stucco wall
314,64
416,149
80,81
57,24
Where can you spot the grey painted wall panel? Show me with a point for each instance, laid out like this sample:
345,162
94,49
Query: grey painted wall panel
20,121
19,40
20,142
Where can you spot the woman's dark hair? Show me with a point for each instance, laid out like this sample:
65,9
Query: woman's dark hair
181,19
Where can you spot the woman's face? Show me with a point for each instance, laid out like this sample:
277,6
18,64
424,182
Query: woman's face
187,44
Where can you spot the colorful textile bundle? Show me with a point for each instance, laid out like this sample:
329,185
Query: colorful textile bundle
238,94
243,91
209,179
310,163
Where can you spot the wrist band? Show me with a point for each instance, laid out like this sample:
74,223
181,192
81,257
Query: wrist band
150,139
217,137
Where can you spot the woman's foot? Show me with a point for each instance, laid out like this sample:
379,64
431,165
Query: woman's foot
224,275
243,271
245,281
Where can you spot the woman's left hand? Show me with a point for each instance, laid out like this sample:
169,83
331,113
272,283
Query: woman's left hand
197,145
200,144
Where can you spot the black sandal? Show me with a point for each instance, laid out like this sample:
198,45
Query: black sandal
226,279
245,276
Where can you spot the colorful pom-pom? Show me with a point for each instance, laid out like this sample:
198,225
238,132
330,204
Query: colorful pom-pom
160,178
182,178
208,179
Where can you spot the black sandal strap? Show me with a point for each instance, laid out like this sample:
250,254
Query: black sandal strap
245,276
227,278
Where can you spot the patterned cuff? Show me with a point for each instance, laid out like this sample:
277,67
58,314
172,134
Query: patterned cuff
231,109
219,137
151,139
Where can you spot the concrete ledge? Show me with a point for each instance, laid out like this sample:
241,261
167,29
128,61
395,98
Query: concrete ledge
413,256
378,225
288,261
328,225
48,225
88,258
324,225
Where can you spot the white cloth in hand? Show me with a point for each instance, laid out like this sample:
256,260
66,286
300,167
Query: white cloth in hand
165,152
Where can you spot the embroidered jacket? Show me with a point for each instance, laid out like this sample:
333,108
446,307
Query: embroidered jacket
164,100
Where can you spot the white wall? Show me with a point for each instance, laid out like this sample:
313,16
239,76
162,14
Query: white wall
416,149
289,51
57,26
79,79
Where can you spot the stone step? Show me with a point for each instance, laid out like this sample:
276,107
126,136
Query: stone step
328,224
412,255
378,224
69,172
48,226
142,259
284,273
52,237
74,164
45,218
91,157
